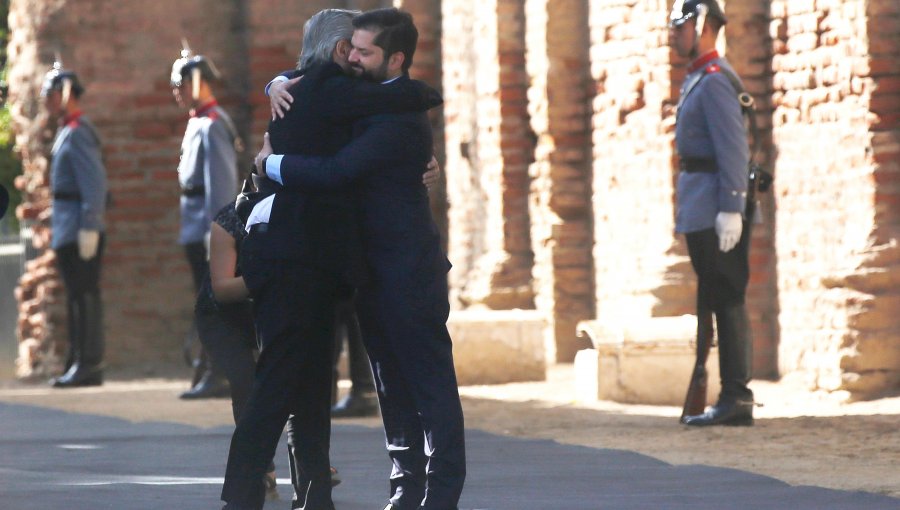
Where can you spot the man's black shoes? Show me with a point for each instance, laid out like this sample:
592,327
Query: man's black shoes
737,413
356,406
79,375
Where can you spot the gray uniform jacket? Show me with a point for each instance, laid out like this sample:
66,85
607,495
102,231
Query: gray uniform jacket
77,181
710,129
207,171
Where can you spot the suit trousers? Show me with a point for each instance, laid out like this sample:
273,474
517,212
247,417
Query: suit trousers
404,329
293,313
347,327
722,279
83,304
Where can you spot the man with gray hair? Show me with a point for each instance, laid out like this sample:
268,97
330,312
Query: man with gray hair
302,253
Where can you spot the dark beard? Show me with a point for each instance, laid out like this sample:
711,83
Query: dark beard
378,75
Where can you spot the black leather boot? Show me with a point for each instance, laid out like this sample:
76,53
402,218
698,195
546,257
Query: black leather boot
79,374
736,413
86,343
735,353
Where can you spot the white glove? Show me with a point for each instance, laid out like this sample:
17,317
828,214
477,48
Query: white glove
87,243
728,227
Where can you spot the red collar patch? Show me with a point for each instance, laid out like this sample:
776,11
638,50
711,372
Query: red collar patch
703,60
205,109
713,68
71,120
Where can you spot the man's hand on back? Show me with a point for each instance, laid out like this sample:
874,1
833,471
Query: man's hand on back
433,175
265,152
279,98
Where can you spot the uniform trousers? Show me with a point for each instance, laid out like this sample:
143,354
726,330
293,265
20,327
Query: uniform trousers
721,287
405,333
294,317
83,304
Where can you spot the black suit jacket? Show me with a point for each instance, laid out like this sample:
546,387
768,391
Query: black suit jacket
385,163
323,228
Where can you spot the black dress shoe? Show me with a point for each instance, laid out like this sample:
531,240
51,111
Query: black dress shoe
209,386
355,405
79,375
737,413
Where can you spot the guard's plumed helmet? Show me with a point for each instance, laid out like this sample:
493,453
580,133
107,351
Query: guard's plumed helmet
63,80
684,10
196,67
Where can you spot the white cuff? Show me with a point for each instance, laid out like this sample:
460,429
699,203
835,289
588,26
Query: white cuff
274,80
273,167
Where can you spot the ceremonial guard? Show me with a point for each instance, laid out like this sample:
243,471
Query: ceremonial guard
79,191
711,141
207,174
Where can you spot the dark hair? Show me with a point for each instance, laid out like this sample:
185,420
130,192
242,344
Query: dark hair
394,31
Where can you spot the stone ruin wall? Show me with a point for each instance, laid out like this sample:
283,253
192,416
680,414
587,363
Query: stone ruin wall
558,160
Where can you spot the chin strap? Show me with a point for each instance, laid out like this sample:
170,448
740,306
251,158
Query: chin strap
702,11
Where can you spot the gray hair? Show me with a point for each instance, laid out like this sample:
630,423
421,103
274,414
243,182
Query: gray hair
322,32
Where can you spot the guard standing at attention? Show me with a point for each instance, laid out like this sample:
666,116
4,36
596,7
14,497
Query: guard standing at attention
79,190
711,141
207,173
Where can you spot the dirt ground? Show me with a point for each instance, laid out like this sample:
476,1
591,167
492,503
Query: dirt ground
800,437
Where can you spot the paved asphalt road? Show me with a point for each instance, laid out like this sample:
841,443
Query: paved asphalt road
50,459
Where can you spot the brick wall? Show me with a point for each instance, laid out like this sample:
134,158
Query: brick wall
835,127
123,53
641,268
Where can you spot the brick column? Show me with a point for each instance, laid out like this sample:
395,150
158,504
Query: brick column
489,147
427,67
561,222
749,50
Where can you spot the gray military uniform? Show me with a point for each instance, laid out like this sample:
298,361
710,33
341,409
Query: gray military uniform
712,143
207,171
77,181
710,133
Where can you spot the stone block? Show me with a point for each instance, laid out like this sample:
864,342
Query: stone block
498,346
647,362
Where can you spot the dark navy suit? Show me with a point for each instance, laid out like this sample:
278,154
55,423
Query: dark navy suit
294,266
403,306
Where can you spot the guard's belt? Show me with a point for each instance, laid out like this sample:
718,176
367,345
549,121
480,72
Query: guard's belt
698,165
197,191
66,195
